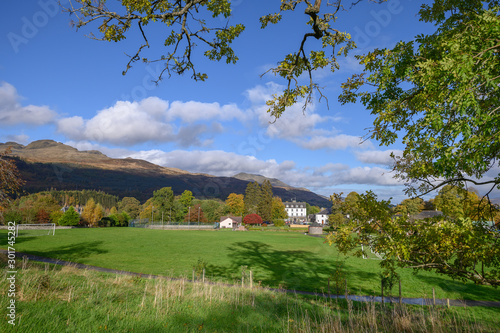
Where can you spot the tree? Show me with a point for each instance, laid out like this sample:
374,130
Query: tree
336,219
409,207
439,95
312,210
456,203
70,217
265,205
148,210
236,204
88,211
197,23
252,198
278,210
131,206
185,200
10,178
252,219
163,202
214,209
441,92
351,204
195,214
461,248
42,216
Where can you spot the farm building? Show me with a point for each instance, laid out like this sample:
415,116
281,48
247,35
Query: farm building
322,217
231,222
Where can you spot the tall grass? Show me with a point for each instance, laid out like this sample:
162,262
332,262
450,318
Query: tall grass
54,299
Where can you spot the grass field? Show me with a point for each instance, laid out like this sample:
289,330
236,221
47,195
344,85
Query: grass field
55,299
289,260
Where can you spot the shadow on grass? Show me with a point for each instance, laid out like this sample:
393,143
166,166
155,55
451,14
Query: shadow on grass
4,239
290,269
73,252
466,290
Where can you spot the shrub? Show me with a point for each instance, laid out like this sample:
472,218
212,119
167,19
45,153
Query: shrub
279,222
252,219
70,217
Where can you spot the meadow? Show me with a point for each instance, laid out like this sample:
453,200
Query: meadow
66,299
285,260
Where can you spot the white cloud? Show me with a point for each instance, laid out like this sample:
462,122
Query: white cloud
382,157
21,138
12,112
151,120
221,163
197,111
337,142
260,94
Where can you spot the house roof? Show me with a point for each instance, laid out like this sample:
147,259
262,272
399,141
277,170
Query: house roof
326,211
293,204
427,214
234,218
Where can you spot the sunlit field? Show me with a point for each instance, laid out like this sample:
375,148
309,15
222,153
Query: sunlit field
277,259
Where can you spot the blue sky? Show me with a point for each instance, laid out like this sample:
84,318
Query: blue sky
55,83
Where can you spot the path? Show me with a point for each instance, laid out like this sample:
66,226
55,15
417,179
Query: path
378,299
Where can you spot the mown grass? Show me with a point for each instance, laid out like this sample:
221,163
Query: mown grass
55,299
287,260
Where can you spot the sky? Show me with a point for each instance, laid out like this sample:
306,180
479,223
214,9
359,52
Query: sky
58,84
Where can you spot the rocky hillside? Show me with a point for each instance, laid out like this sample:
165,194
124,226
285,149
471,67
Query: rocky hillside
47,164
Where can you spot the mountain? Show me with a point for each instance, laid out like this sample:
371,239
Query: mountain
47,164
260,179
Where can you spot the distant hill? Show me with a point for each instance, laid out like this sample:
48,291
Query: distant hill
47,164
260,179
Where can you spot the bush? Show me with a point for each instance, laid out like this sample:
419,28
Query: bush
279,222
70,217
252,219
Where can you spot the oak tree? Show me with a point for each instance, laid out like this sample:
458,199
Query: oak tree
10,178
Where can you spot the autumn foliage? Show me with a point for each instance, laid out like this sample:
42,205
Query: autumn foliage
252,219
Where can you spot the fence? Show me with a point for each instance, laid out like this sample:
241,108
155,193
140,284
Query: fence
145,223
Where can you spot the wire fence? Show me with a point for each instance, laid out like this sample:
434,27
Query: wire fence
146,223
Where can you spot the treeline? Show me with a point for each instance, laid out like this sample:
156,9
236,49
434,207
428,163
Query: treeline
99,209
80,198
452,202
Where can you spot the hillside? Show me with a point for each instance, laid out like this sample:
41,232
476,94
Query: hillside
47,164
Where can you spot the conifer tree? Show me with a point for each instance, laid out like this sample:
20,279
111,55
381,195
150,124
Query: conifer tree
252,198
265,205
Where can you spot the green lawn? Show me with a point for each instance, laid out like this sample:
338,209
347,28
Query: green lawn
292,260
72,300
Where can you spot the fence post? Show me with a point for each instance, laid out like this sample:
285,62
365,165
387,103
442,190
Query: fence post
400,298
346,292
193,274
382,289
433,297
203,275
448,303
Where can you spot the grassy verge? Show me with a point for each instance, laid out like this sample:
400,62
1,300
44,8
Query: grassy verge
290,260
66,299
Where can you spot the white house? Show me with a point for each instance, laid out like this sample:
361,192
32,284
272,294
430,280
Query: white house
296,211
322,217
230,222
